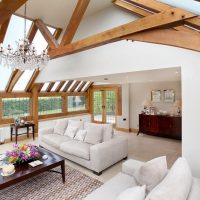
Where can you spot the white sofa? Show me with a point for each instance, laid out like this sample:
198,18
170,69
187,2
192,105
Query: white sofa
98,150
112,189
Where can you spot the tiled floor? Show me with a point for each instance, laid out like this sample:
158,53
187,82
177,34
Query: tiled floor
141,147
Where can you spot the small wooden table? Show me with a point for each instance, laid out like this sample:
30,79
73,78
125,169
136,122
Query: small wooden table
25,171
16,127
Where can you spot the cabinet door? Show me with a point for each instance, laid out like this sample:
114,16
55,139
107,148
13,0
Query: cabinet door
144,123
154,125
165,126
177,128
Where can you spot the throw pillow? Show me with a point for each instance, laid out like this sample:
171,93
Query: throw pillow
94,133
60,126
80,135
76,123
71,131
176,185
152,172
107,132
134,193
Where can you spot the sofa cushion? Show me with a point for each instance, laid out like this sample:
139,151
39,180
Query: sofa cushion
195,190
71,131
136,193
176,185
55,139
80,135
151,172
76,123
60,126
94,133
76,148
107,132
112,188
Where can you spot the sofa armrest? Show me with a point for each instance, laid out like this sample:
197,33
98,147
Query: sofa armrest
105,154
130,166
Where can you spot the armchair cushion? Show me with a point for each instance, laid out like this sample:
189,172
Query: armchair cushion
60,126
107,132
136,193
176,185
76,148
151,172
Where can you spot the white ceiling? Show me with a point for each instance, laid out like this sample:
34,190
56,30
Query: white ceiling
158,75
58,12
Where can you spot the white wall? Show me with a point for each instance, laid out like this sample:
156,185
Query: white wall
141,91
123,121
125,56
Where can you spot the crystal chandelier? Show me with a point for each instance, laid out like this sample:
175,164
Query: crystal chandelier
25,57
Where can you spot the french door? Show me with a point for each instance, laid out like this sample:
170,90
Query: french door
104,106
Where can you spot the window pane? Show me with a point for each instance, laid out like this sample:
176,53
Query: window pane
23,80
76,103
15,107
50,105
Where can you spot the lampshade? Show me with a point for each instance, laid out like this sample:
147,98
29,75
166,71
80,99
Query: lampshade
146,103
177,104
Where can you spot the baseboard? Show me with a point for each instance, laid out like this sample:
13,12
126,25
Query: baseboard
134,130
127,130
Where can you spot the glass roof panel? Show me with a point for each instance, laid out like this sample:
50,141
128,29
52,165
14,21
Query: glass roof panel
71,85
85,86
23,80
45,86
5,74
78,86
39,42
63,87
14,32
55,86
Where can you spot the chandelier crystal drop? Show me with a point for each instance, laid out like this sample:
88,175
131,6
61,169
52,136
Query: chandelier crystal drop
25,57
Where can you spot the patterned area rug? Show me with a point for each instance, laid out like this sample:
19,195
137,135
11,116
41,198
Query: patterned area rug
49,186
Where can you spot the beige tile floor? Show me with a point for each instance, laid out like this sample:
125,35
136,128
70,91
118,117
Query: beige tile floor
141,148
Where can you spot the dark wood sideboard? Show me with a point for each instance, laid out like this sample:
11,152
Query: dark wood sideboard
161,125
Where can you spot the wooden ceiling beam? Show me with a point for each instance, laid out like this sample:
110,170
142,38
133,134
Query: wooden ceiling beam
169,37
72,89
50,86
165,18
3,29
32,32
31,82
159,7
8,7
81,86
74,22
13,80
88,86
60,86
52,42
68,85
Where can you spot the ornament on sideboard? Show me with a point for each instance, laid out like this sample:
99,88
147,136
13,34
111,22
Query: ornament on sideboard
178,106
147,106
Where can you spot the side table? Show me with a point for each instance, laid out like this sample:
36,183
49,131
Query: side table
16,127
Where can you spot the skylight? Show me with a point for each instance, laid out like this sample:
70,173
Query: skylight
189,5
45,86
55,86
71,85
39,42
86,85
78,86
23,80
63,87
5,74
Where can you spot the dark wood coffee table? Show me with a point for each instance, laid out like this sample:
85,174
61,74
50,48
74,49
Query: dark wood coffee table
24,172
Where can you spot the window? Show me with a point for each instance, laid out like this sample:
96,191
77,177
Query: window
76,103
44,87
50,105
15,107
55,86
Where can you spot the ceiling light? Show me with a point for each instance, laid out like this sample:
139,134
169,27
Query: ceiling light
25,57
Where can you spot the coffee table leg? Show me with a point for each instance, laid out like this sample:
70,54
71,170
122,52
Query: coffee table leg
63,170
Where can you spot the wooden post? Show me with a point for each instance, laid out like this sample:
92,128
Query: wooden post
35,107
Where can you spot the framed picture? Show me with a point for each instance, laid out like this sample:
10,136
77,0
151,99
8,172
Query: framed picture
156,96
169,96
